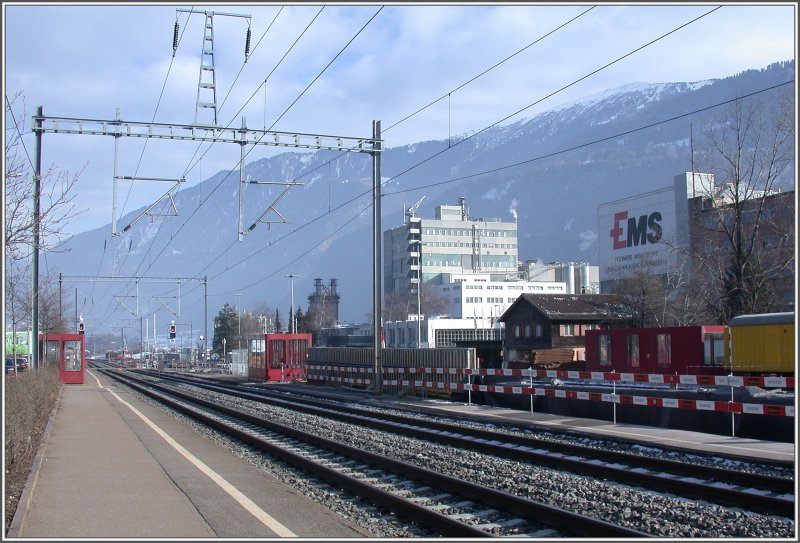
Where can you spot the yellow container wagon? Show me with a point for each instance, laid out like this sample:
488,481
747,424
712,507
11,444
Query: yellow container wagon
761,344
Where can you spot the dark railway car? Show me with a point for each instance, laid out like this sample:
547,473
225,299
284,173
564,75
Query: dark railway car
683,350
279,357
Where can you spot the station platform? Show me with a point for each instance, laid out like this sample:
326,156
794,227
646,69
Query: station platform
113,466
734,446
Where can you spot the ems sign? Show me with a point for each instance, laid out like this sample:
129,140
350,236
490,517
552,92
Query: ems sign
635,231
634,234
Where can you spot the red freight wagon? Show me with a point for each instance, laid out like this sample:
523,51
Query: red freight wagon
68,351
683,350
278,357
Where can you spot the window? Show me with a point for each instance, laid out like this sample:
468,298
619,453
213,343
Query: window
52,353
277,353
538,330
72,356
517,331
567,330
605,349
664,344
713,349
527,330
633,351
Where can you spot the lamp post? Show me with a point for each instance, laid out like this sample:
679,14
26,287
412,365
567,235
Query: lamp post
292,325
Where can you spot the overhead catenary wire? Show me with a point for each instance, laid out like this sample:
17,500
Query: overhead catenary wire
189,168
511,116
176,41
283,114
501,120
505,167
485,71
473,135
459,87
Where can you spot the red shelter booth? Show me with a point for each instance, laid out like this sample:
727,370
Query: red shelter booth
68,352
279,357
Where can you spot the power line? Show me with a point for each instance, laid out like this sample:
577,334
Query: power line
284,113
191,166
505,167
554,93
474,78
475,134
407,117
594,142
275,122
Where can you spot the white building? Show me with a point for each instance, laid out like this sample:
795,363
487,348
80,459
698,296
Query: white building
579,277
440,332
451,243
476,297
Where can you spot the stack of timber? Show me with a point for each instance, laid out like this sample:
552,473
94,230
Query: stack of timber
564,358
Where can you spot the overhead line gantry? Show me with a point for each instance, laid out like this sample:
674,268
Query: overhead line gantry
243,136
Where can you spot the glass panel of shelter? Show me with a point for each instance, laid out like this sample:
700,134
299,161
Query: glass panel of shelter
72,356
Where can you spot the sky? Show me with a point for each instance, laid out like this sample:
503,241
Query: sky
333,69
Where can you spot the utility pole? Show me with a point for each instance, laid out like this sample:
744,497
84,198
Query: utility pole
377,323
37,186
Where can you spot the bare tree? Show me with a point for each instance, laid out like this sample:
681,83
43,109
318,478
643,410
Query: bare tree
748,229
57,197
399,305
51,318
643,295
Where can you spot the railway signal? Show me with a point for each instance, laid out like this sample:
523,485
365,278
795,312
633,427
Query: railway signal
172,332
80,327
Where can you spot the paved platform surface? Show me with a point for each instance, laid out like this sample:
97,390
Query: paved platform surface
113,466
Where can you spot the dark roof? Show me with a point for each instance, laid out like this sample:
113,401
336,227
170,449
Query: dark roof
573,307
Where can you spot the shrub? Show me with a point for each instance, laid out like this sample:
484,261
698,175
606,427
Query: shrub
29,400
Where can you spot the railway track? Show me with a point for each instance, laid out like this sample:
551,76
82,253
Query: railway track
750,491
446,505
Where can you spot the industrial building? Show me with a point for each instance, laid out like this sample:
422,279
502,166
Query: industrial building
431,250
662,230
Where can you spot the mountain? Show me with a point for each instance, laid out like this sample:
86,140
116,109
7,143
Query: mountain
550,171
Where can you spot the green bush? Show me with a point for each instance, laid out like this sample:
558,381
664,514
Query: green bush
29,400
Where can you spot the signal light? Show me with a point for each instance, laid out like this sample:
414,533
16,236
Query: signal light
171,331
80,328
